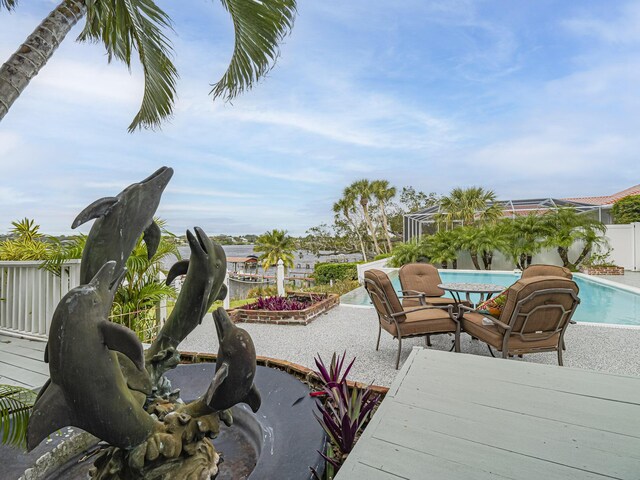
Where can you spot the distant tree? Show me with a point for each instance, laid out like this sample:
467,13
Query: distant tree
325,240
566,227
469,206
275,245
627,209
126,27
413,200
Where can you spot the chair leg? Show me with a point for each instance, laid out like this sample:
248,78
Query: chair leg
564,345
428,339
560,357
379,332
490,351
399,350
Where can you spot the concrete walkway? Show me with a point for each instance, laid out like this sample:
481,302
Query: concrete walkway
607,349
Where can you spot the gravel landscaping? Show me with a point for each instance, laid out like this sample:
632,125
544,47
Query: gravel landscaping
594,347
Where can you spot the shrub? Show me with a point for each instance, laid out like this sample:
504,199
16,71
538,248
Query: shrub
382,256
325,272
339,287
627,209
263,291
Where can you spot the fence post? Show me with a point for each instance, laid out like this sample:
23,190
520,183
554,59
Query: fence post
280,277
226,302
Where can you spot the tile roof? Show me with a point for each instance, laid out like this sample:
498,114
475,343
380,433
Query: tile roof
608,199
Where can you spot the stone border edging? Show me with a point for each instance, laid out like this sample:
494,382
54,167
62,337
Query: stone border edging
286,317
289,367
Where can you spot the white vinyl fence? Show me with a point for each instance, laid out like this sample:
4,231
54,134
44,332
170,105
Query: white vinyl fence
29,295
624,241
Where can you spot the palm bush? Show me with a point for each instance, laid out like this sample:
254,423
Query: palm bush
15,409
566,227
526,235
410,252
25,242
273,246
442,248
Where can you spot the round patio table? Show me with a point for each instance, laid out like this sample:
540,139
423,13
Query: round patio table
485,290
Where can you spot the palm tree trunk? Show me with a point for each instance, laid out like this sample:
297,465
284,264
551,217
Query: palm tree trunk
564,256
370,227
385,226
34,53
474,259
585,251
364,251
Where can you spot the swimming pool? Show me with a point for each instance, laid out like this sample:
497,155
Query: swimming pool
600,303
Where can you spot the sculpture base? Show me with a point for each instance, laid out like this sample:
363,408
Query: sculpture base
280,441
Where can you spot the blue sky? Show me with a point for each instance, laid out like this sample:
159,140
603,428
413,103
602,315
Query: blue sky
527,98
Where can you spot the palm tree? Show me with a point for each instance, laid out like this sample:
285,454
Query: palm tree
275,245
527,236
346,208
361,192
15,410
442,247
492,237
26,242
469,238
410,252
125,26
566,227
383,193
469,205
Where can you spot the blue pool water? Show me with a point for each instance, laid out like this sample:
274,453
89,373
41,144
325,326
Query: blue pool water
599,303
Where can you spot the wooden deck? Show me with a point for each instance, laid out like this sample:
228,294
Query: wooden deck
22,362
456,416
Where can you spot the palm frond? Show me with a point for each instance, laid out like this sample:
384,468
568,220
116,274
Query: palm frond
8,4
259,27
127,25
15,409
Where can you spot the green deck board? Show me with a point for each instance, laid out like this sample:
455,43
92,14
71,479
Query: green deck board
452,416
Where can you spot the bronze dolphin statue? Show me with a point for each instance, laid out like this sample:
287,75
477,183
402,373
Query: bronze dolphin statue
87,388
205,269
120,221
235,371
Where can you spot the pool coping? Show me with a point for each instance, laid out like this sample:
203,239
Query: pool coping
589,278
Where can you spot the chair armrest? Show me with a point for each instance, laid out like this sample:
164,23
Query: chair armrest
486,315
414,294
448,308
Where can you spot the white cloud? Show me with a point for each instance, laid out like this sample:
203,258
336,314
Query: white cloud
623,29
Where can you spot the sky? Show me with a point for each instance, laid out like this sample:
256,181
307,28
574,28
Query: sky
530,99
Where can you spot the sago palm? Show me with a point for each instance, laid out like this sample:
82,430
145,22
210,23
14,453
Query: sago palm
15,409
140,27
275,245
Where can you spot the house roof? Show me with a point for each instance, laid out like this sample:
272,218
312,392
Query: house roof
252,259
608,199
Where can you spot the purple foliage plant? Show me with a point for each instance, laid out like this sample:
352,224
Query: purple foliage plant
344,412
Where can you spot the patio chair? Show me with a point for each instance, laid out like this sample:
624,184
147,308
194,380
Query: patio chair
419,283
546,270
402,322
534,319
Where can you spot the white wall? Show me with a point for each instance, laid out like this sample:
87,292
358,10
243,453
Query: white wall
624,241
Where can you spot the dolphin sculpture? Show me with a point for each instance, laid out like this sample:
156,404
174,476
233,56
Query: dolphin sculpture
205,269
87,388
235,371
120,221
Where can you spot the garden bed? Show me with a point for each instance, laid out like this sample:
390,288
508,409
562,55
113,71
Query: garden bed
602,270
317,304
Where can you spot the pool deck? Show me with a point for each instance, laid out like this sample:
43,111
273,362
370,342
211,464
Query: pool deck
464,416
22,362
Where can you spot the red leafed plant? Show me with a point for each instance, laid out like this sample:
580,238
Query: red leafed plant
343,414
277,304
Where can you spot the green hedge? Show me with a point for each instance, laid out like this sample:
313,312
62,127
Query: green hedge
325,272
382,256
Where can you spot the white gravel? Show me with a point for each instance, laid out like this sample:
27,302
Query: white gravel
593,347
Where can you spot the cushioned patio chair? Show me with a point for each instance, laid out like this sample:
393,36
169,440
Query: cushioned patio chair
419,283
535,317
407,322
546,270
